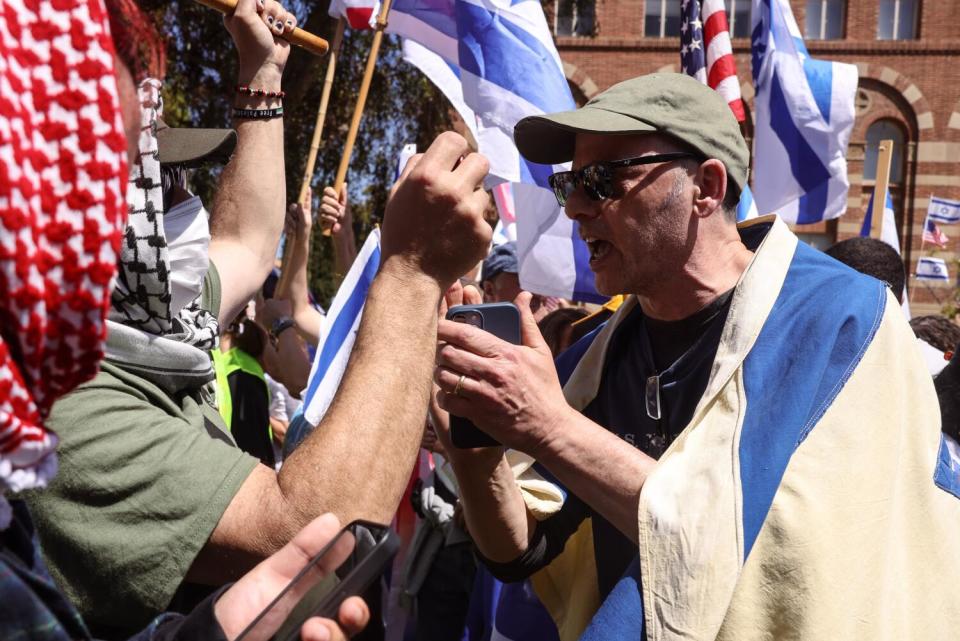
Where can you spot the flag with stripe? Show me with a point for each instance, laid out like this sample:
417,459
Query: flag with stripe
339,331
803,119
747,207
888,231
929,268
506,229
706,54
705,51
508,68
890,235
942,210
358,13
932,234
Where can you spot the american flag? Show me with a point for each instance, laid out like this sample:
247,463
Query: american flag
705,51
932,234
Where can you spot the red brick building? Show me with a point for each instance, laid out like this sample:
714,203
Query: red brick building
908,55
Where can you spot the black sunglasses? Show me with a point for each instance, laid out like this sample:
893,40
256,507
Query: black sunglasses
597,178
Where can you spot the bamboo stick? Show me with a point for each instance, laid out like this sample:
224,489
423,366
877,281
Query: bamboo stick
298,37
341,176
322,110
314,144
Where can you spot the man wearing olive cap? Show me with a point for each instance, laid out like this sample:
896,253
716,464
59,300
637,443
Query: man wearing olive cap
745,449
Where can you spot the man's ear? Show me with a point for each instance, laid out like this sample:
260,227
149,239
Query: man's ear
711,186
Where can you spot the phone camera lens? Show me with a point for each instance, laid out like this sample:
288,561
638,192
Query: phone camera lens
470,318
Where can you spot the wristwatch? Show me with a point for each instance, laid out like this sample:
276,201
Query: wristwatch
280,325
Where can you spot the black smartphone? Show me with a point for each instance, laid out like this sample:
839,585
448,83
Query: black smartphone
360,552
503,321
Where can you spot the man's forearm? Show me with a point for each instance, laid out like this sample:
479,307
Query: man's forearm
606,472
307,319
493,506
357,462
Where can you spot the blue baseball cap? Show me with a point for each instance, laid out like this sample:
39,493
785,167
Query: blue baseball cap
502,260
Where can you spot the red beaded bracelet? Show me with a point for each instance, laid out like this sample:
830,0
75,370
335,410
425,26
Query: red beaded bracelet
249,91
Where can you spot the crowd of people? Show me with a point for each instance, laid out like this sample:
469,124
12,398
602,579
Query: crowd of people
748,441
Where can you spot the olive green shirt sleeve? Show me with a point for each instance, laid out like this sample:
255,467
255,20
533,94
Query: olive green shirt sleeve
144,479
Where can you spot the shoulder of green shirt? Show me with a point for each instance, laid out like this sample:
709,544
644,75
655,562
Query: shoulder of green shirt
144,479
210,297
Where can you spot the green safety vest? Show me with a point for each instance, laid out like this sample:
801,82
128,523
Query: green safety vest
225,364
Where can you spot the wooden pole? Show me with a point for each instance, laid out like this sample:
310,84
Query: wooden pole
314,146
322,110
884,156
298,37
341,177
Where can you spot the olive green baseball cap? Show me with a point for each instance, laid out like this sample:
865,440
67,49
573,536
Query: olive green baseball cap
194,147
673,104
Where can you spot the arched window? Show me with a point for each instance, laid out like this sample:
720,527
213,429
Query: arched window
884,129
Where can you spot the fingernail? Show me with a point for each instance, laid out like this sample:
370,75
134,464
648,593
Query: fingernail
289,23
260,3
270,20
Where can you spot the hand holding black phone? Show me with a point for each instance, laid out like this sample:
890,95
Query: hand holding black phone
503,321
361,550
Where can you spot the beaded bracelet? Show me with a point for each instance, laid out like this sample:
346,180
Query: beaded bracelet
258,114
249,91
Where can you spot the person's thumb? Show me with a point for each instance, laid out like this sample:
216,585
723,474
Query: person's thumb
529,332
343,194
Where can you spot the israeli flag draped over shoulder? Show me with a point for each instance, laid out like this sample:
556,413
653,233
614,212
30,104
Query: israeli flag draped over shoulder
497,64
804,115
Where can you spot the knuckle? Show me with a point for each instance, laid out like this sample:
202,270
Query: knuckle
452,137
445,353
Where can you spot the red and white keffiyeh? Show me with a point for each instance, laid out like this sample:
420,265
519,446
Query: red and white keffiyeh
62,210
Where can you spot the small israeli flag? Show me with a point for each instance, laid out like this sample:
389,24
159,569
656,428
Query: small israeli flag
932,269
942,210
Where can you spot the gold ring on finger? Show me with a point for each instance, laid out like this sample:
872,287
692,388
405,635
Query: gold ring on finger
456,390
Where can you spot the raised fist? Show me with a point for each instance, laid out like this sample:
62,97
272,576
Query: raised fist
434,220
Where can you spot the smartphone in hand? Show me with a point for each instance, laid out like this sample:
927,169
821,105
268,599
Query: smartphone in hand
503,321
361,552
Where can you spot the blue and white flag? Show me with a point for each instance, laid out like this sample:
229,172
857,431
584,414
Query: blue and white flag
942,210
888,230
445,75
503,56
804,116
932,269
747,207
889,235
339,331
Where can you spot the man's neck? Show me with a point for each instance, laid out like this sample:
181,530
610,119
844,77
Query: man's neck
702,278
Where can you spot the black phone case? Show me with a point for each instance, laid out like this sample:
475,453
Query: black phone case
503,321
360,577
